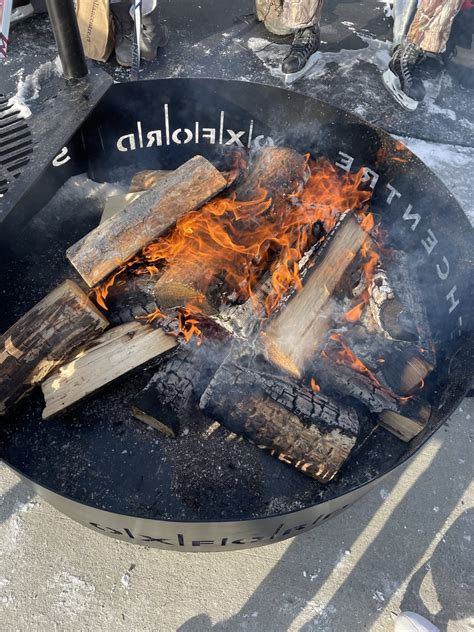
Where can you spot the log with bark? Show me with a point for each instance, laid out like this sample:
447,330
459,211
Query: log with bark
112,243
114,354
297,331
42,339
118,203
176,387
404,417
299,426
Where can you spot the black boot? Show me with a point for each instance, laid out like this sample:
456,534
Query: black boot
154,35
123,32
401,76
305,43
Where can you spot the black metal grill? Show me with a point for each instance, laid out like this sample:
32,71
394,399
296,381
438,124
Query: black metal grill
16,144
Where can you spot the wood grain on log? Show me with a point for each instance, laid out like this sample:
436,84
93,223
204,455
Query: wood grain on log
43,338
300,427
296,332
116,203
115,353
112,243
148,179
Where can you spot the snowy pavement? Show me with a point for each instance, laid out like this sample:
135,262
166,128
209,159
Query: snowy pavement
405,546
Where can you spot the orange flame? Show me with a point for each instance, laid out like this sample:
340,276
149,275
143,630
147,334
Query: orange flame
239,240
314,385
347,356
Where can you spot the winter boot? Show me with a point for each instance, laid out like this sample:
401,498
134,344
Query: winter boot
123,32
401,76
302,52
21,9
154,35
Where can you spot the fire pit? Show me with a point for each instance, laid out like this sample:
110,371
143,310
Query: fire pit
205,490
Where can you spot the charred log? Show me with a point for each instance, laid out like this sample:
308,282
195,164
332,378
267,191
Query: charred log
300,427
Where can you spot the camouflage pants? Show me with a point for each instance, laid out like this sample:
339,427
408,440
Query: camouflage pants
286,16
431,25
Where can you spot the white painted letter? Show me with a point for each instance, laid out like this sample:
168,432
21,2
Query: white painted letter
414,216
121,142
450,297
370,175
346,162
210,134
62,158
235,138
443,275
188,136
430,243
154,138
393,193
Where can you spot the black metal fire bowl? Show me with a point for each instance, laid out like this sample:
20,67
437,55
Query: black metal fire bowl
112,473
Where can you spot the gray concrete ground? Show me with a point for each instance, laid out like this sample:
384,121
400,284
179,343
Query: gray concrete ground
405,546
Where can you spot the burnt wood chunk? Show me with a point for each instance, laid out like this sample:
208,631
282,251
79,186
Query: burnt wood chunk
112,243
300,427
175,389
43,338
296,332
403,417
116,353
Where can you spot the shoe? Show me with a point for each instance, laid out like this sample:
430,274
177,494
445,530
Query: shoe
154,36
305,44
123,32
401,76
412,622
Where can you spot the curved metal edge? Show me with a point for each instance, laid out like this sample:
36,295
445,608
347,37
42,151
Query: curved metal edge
200,537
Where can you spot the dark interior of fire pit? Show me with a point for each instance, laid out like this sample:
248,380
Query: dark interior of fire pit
96,452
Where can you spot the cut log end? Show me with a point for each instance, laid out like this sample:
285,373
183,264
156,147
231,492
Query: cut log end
405,428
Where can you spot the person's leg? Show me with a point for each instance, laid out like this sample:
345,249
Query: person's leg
432,23
155,35
123,31
270,13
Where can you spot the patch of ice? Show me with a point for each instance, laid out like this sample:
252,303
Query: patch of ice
387,7
125,580
29,87
384,494
378,596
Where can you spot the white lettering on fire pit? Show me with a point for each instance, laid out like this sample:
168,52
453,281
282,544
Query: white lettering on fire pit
62,158
408,215
371,175
443,275
219,135
393,193
430,243
345,162
450,298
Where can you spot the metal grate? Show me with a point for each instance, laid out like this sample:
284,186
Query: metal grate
16,144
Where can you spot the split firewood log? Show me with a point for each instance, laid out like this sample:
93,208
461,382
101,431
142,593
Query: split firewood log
303,428
112,243
147,179
296,332
114,354
41,340
118,203
404,417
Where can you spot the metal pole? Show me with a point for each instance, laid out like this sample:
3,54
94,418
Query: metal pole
68,40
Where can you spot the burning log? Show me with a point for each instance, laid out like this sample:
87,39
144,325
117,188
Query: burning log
117,352
296,333
302,428
43,338
404,417
115,241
